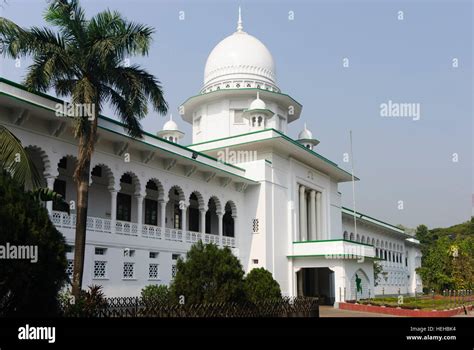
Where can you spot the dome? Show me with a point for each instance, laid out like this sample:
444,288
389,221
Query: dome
257,104
240,56
170,125
305,134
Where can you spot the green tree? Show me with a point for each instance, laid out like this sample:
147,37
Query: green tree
154,294
28,288
86,60
259,285
379,273
208,275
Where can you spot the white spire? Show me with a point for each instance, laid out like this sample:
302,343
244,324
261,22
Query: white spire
240,27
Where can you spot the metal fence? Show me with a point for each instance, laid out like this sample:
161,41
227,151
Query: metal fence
137,307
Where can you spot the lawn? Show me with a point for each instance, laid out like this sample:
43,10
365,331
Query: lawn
422,302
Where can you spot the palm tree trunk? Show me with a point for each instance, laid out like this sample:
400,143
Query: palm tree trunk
81,175
82,187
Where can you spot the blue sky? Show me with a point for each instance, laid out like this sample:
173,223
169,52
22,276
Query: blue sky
409,61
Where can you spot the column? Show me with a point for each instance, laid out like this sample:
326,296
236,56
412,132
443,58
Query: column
235,230
220,227
312,215
162,213
202,221
319,216
113,209
49,204
183,208
139,198
302,209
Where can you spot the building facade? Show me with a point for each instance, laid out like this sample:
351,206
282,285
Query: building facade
243,183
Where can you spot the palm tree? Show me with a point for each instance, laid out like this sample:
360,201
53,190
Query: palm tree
16,160
85,61
18,163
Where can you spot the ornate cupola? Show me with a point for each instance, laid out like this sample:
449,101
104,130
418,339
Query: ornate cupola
257,114
171,131
305,137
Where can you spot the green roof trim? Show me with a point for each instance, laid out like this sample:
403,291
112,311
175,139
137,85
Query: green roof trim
325,255
122,125
361,216
282,135
229,137
333,240
242,89
22,87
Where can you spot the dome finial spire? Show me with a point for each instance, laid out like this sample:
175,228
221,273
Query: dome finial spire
239,22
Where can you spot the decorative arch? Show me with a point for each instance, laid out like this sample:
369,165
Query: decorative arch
196,204
174,207
159,186
178,191
106,171
217,203
352,237
200,199
41,160
135,180
214,209
345,235
228,222
232,207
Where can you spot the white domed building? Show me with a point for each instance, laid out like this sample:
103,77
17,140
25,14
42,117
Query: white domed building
242,183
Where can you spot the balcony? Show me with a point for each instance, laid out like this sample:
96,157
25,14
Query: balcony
334,249
95,224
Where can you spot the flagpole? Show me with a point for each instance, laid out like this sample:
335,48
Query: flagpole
353,188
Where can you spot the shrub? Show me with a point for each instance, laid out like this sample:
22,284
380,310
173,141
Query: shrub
259,285
154,294
87,305
208,275
29,289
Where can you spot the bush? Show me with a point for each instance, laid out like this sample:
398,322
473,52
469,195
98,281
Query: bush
209,275
155,295
29,289
259,285
87,305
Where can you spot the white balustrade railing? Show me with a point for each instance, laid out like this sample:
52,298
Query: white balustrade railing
151,231
126,228
193,237
64,220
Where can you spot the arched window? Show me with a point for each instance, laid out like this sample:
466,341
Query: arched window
260,119
346,236
254,121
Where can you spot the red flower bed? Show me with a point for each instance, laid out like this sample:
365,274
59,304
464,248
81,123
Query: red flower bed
402,312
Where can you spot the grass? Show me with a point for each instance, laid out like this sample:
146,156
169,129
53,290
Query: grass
422,303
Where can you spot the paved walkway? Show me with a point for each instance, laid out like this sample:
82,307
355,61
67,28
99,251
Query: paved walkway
329,311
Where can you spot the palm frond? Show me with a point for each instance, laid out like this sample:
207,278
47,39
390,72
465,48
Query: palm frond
16,160
47,195
114,37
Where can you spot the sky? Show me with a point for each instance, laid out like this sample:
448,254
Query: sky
411,171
